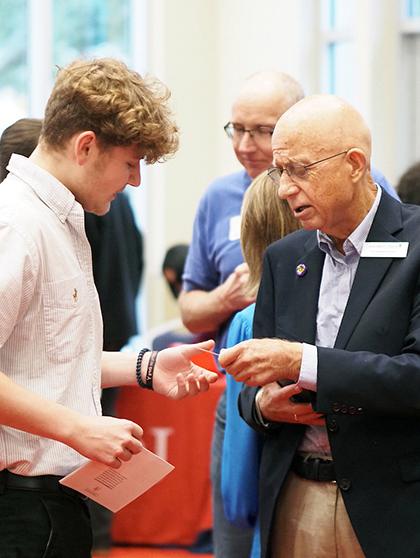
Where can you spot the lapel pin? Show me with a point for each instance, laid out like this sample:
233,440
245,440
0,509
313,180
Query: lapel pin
301,269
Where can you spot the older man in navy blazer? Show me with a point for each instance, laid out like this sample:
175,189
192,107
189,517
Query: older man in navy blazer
337,318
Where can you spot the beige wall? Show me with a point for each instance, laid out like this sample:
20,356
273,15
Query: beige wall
184,54
203,49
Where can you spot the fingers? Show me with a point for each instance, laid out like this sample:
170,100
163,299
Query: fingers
207,345
137,431
129,442
287,391
194,383
125,453
242,268
189,351
134,446
114,463
228,356
303,413
252,380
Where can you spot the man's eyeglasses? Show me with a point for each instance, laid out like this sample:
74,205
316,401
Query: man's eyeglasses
296,170
259,134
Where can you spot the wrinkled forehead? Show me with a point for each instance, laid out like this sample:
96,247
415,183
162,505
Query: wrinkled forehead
293,142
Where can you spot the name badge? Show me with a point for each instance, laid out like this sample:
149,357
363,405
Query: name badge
384,250
235,227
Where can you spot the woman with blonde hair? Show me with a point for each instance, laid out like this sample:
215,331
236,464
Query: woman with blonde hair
265,218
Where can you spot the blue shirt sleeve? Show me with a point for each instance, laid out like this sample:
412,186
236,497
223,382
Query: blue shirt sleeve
200,272
380,179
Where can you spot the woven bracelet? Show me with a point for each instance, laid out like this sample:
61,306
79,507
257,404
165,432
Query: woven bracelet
138,368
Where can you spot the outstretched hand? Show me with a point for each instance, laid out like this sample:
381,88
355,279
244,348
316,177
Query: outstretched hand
176,376
257,362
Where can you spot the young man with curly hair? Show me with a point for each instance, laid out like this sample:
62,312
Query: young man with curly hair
100,121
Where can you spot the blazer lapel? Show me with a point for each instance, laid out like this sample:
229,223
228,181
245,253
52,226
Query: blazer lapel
306,290
370,271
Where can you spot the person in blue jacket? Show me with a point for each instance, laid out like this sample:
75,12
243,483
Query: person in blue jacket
264,219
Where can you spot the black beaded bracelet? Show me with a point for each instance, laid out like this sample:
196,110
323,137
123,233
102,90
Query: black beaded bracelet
138,368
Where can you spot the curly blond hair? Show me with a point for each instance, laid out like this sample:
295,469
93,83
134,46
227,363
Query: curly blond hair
265,218
119,105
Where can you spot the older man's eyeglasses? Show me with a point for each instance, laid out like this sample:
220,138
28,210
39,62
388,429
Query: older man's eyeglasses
296,170
259,134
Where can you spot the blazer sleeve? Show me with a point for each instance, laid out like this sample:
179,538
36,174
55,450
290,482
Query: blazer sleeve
378,370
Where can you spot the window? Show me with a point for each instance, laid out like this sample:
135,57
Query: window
36,36
409,86
87,29
338,60
412,8
14,83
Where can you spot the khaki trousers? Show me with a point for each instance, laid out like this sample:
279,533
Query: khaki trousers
311,521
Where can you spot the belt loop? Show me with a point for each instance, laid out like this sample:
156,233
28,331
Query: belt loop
316,463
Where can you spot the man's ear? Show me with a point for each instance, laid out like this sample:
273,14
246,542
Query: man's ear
358,161
83,145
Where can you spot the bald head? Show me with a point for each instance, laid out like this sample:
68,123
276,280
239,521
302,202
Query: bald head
324,124
323,145
276,91
263,98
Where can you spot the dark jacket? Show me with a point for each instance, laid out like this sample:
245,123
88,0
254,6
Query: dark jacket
117,257
368,384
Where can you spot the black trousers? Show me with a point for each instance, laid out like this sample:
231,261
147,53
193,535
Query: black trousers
41,524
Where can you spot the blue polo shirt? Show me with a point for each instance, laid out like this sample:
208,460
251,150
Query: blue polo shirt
215,248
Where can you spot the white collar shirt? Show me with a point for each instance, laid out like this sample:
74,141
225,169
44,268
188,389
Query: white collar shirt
50,319
338,275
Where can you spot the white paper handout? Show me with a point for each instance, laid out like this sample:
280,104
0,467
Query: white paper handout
115,488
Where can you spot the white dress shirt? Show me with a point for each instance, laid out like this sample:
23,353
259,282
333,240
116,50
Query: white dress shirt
50,319
337,280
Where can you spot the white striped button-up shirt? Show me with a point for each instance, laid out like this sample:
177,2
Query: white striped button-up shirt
50,320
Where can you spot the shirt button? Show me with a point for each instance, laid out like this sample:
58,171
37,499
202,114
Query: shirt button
336,407
332,425
344,484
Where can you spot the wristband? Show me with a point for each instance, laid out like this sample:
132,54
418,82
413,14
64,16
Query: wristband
138,368
150,370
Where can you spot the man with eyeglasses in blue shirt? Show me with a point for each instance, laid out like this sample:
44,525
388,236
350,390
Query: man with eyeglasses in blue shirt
215,275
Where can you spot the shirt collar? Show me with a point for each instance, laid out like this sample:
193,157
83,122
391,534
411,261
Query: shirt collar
50,190
357,238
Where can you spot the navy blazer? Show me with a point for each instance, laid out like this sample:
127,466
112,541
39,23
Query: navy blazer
368,384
